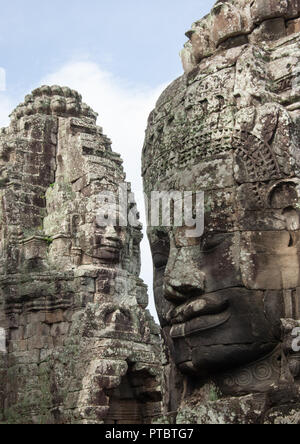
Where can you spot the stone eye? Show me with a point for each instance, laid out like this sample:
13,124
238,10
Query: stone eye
160,251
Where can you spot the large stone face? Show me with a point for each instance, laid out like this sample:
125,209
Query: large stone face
81,346
228,300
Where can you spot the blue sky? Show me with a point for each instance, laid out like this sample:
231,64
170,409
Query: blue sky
138,40
119,54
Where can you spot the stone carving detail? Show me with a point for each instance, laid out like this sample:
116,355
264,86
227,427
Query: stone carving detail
81,346
228,301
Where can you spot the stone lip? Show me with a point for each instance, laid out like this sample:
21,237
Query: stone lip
199,324
238,22
54,100
209,305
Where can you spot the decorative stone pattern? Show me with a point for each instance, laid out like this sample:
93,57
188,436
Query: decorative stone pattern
228,301
81,346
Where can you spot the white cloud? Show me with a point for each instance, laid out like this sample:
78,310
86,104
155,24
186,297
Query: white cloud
123,111
2,79
6,108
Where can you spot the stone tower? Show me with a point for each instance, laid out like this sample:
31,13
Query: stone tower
80,345
229,299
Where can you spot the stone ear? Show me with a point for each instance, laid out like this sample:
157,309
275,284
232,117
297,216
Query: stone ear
284,195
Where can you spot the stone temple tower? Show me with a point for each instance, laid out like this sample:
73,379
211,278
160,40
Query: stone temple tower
78,345
229,299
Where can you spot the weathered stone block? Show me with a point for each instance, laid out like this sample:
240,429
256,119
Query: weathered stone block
227,22
293,26
54,317
269,30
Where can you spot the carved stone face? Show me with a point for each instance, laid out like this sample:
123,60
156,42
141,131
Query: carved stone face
219,129
221,296
108,243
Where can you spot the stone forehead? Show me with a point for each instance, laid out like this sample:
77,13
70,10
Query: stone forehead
60,101
229,128
218,156
240,107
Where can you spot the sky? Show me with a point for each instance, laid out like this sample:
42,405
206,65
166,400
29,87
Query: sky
119,54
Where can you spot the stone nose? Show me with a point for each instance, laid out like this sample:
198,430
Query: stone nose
111,233
180,287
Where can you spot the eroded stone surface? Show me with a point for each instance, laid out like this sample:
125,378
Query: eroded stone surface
233,23
228,300
81,346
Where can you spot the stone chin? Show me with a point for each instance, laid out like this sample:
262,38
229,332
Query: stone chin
224,330
215,359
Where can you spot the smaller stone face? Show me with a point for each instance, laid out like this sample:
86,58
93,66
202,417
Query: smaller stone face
81,346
